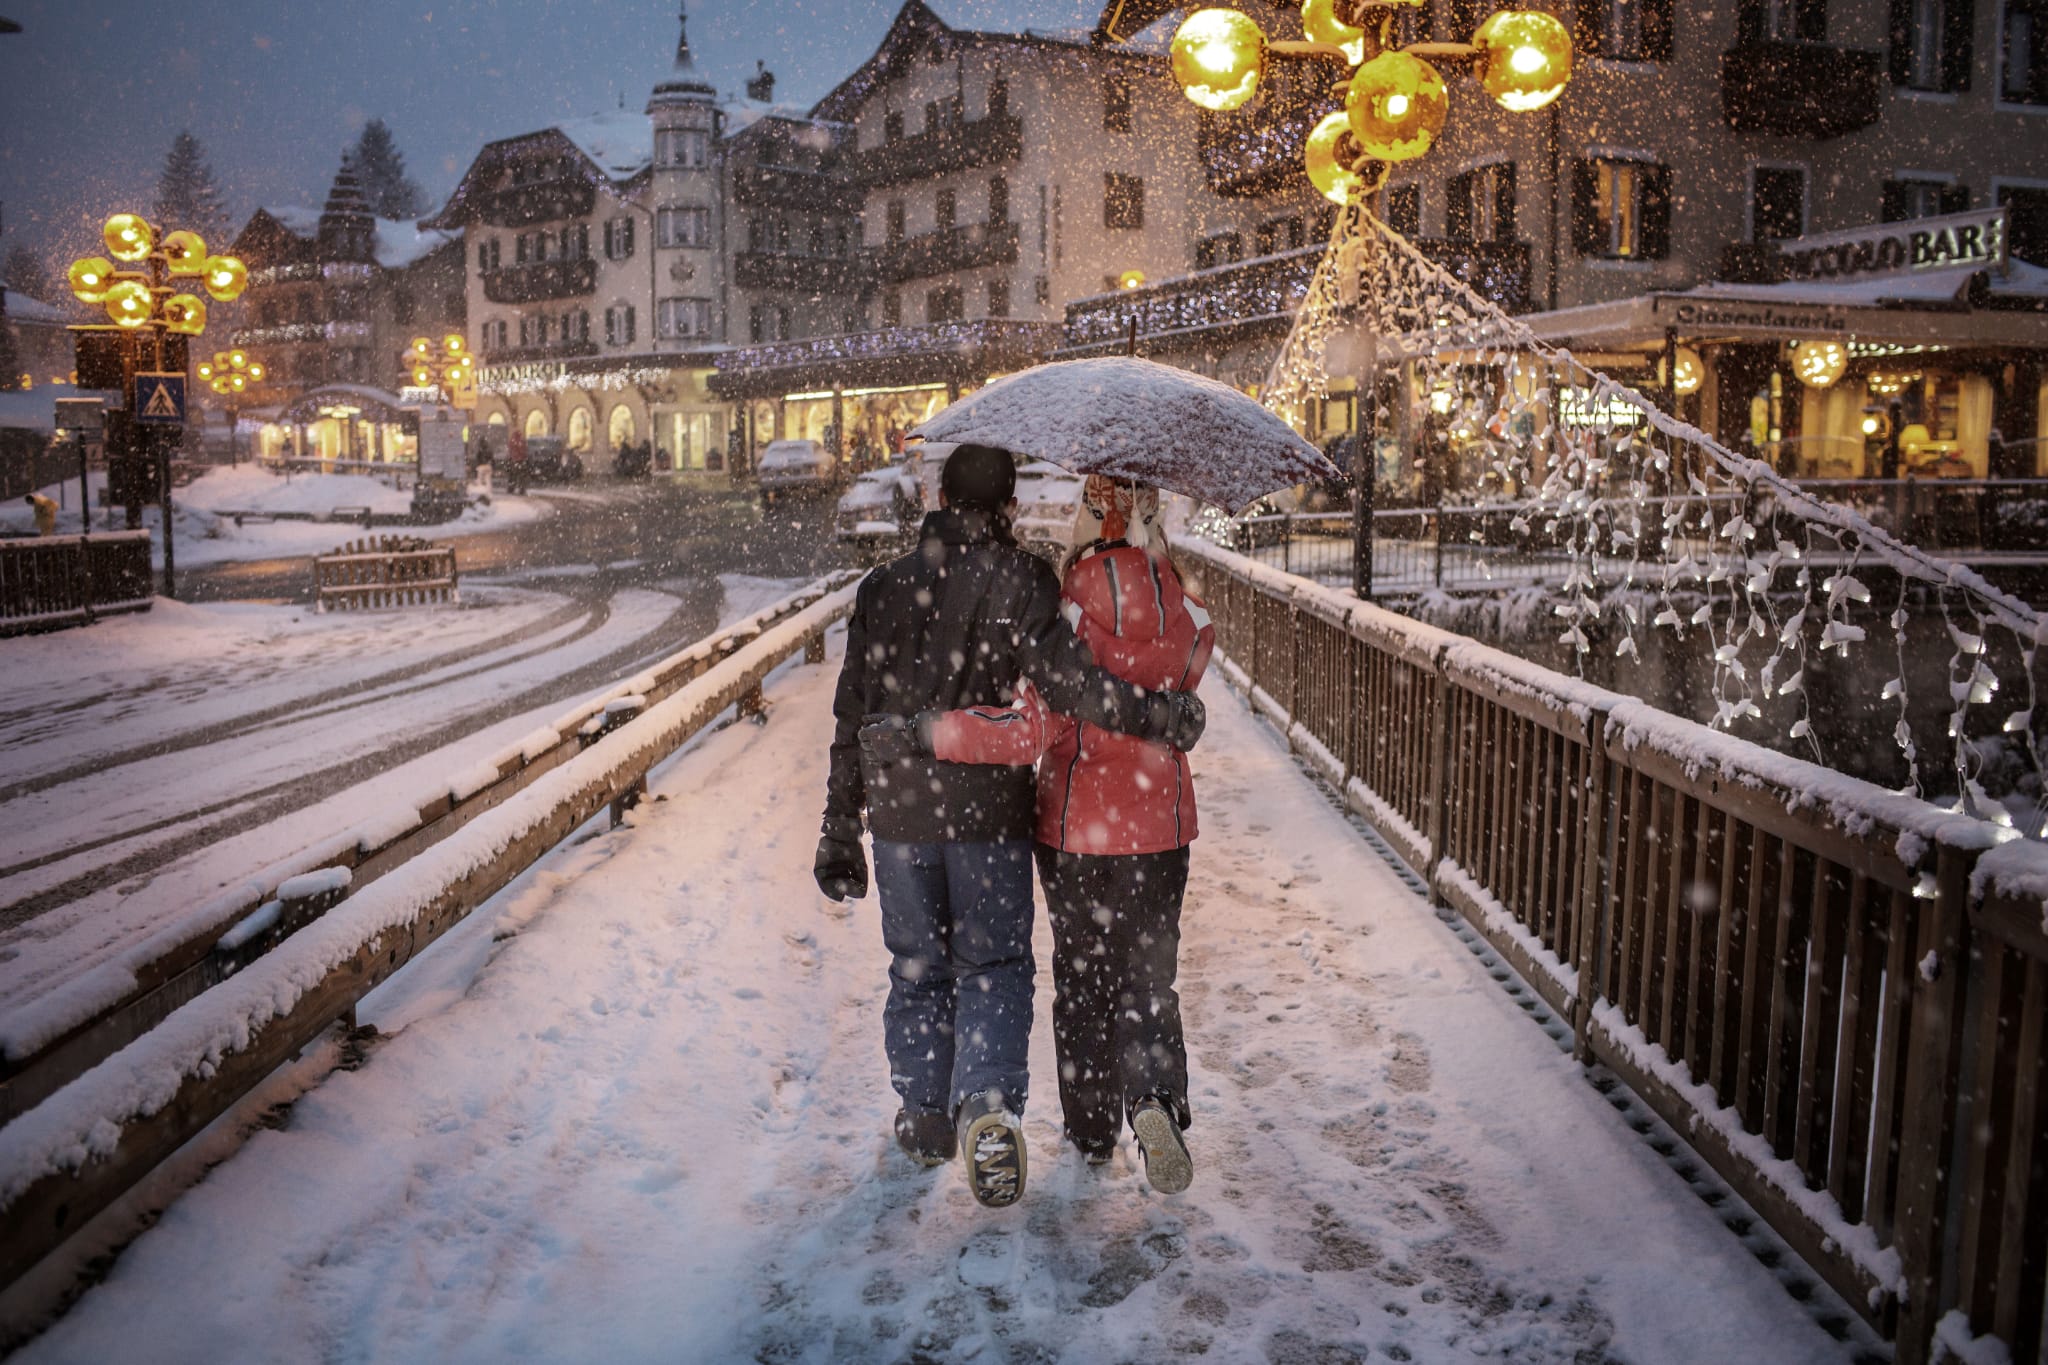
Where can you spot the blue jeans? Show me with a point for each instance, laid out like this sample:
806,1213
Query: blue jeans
956,918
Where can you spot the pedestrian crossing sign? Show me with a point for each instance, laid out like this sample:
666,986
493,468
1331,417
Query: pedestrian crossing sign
160,398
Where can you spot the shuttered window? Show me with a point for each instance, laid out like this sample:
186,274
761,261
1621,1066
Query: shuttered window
1621,209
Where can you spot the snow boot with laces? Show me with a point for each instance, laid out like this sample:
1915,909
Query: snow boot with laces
993,1140
926,1136
1168,1166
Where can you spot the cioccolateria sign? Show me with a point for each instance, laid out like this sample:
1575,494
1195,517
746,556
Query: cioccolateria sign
1945,243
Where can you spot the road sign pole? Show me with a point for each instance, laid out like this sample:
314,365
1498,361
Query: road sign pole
163,466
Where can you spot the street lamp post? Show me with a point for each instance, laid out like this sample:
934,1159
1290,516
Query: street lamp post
229,374
143,291
1394,104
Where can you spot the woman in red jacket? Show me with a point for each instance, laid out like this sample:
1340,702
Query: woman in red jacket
1115,818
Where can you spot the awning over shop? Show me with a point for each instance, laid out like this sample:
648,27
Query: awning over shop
1870,310
329,400
966,352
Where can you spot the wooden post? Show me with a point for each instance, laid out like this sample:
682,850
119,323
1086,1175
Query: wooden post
814,648
1941,967
1596,855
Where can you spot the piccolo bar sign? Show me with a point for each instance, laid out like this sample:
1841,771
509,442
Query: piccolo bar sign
1944,243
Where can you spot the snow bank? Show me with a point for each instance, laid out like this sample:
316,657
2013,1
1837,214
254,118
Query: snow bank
84,1121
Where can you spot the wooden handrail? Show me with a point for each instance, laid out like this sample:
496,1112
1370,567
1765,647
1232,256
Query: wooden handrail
1793,968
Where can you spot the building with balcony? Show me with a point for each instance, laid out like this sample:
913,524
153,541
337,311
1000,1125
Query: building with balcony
334,296
997,174
597,277
1657,204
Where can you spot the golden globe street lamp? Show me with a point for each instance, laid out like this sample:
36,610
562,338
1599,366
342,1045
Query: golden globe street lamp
147,290
1394,102
229,374
447,366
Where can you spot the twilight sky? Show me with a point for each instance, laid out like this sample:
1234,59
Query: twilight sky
91,94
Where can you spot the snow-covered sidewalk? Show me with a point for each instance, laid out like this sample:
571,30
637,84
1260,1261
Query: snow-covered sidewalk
639,1111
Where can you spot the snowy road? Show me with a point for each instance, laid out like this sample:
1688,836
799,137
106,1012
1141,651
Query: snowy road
638,1111
152,760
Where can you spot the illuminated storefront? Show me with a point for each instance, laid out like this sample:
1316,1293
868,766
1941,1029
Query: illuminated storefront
341,425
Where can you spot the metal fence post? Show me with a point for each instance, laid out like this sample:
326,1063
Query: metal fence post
1439,522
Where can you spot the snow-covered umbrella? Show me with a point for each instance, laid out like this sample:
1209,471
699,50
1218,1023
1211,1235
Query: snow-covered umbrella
1137,419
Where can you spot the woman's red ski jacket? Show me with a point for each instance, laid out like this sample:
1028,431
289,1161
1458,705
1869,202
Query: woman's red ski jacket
1100,792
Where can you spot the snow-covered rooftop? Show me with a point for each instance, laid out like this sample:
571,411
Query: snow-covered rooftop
34,409
620,141
27,308
400,244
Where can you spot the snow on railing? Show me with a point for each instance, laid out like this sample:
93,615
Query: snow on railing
1835,992
55,1037
67,1158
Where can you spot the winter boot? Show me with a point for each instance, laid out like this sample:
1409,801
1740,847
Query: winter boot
993,1139
1167,1164
927,1137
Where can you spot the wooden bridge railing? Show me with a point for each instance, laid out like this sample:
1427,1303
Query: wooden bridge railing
51,581
1837,994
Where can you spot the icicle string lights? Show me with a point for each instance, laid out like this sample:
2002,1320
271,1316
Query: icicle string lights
1693,535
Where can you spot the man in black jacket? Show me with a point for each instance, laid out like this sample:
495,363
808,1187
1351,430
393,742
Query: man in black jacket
955,623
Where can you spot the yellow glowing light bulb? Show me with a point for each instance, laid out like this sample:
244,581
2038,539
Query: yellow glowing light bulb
1131,279
422,377
1396,106
1217,57
420,346
206,371
1525,59
128,303
1330,156
90,277
237,358
1819,363
238,382
1691,373
128,237
226,278
256,372
185,253
452,344
185,313
220,383
1870,426
1319,22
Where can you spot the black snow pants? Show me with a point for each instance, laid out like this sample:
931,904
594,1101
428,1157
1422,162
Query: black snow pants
1115,1013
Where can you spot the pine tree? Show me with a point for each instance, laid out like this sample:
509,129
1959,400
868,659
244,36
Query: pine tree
25,272
186,196
380,170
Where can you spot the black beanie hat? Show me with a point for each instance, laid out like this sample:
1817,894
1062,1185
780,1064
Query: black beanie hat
979,476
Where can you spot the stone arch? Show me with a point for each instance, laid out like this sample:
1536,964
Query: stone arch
536,423
620,426
494,410
578,432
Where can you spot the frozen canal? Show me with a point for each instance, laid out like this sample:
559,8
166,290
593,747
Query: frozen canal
637,1110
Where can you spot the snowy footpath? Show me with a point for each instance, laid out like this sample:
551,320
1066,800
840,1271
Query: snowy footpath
639,1111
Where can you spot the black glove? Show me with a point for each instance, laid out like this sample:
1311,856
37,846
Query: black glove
1176,719
841,869
891,739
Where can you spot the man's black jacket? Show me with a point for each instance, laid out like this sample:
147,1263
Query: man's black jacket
953,623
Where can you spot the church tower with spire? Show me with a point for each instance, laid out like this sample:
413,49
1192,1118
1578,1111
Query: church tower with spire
689,215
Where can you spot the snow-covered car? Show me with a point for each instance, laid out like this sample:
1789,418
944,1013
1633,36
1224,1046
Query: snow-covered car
794,466
1048,508
881,510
